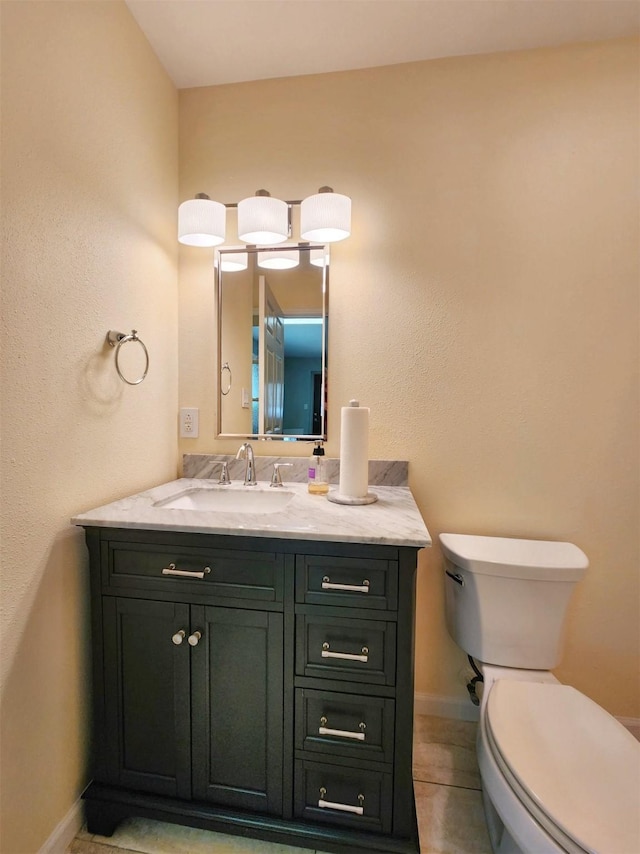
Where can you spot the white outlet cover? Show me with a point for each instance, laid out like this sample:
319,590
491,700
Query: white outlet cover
189,422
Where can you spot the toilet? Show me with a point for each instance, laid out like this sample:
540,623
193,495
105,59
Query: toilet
559,774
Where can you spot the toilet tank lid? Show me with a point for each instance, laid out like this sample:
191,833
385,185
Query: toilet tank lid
514,558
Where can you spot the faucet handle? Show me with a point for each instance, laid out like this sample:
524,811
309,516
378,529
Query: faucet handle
225,480
276,477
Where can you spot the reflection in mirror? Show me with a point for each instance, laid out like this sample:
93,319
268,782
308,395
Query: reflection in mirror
272,342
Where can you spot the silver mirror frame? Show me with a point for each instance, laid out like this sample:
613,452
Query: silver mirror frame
221,366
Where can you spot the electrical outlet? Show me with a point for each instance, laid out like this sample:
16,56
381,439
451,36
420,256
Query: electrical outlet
189,423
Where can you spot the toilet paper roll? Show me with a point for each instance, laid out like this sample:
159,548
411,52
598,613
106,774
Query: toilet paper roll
354,451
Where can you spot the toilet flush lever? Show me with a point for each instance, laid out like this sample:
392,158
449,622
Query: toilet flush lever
456,577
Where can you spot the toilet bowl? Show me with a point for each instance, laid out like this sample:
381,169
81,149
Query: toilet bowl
559,774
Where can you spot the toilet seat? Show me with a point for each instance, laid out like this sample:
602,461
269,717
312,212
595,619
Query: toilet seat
572,765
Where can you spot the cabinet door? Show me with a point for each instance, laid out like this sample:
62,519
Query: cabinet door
237,716
147,695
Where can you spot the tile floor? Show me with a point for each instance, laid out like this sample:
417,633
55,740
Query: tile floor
448,804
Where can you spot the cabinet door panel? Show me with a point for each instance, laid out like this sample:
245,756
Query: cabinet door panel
147,691
237,708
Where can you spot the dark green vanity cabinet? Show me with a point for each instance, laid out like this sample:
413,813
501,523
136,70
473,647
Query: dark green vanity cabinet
161,697
254,686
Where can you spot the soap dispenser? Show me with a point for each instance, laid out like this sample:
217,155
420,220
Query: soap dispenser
317,479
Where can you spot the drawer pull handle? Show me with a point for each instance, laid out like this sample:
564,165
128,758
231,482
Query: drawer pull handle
178,637
194,638
330,805
327,584
185,573
323,729
326,653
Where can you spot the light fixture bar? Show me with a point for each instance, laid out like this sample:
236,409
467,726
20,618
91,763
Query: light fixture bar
325,217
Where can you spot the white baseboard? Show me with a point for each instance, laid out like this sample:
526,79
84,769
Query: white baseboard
63,833
456,708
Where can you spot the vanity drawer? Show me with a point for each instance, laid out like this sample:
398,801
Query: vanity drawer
353,797
344,724
347,581
340,648
242,575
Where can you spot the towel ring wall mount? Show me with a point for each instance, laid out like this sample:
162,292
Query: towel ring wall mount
226,367
117,339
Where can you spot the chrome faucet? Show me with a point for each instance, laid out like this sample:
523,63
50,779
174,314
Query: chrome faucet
245,452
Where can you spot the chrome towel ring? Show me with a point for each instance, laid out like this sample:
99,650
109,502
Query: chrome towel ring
117,339
226,367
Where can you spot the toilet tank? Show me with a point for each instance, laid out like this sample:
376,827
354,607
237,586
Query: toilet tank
506,598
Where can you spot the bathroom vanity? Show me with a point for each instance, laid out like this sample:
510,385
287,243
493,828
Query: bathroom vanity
253,672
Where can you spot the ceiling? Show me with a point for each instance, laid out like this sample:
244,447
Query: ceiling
209,42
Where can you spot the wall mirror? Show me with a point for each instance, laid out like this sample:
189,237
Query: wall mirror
272,341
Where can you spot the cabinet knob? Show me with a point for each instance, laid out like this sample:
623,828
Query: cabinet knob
179,637
194,638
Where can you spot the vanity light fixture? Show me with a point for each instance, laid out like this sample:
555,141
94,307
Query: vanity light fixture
325,217
201,222
279,259
262,219
234,262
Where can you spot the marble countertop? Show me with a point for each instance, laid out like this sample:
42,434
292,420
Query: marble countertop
394,519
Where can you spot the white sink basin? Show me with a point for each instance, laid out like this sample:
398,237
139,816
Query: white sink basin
223,499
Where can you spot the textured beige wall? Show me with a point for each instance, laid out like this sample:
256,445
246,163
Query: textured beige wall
89,194
485,308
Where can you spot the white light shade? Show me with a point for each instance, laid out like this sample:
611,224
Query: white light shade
325,217
263,220
283,259
233,262
201,222
319,257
